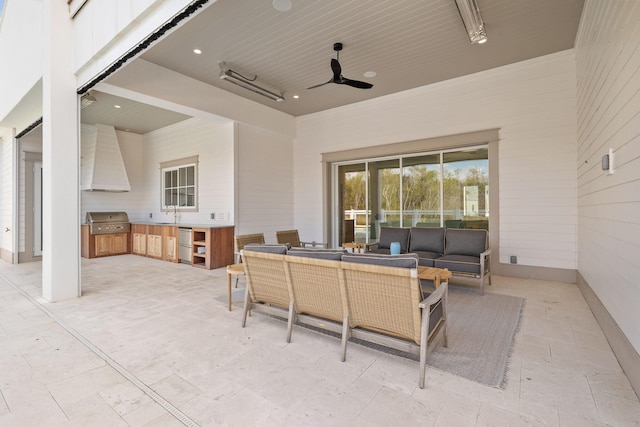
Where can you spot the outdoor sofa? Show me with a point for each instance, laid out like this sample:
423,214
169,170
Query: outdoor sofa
372,298
464,252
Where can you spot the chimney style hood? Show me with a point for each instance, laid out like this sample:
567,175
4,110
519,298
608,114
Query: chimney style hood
102,166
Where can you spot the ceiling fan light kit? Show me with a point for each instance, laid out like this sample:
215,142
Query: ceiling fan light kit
472,20
242,81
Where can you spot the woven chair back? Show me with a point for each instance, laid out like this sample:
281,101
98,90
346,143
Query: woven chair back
289,236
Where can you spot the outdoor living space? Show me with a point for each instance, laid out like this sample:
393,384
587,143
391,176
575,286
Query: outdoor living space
148,329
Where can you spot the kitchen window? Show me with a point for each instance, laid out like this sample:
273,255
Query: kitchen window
180,184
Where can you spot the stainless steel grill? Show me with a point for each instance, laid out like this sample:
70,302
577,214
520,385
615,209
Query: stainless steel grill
108,222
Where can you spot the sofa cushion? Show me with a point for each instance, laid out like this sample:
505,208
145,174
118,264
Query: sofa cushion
427,239
459,263
331,254
268,248
465,242
426,258
403,260
394,234
379,251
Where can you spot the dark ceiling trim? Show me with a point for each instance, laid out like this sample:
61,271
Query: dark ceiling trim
153,37
29,128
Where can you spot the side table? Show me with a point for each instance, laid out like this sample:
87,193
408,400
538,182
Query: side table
233,269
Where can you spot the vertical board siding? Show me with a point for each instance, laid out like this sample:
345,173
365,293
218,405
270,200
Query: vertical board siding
533,103
6,199
213,144
142,155
608,115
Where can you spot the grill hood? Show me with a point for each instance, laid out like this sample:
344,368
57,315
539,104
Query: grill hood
102,165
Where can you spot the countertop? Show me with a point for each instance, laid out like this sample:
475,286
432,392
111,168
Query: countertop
181,225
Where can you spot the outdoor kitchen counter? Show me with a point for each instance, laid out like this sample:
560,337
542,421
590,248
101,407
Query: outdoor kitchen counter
211,245
180,225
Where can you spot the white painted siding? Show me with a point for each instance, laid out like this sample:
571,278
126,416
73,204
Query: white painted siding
608,81
213,143
134,202
33,145
533,105
265,182
105,30
6,193
20,72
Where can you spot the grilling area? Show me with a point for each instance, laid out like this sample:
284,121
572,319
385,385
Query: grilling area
108,222
113,233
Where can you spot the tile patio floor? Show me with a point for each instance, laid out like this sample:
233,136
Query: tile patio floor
168,327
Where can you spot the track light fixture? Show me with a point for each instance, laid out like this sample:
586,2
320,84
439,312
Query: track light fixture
247,83
472,20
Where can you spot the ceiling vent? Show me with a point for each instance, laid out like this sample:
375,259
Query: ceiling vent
102,167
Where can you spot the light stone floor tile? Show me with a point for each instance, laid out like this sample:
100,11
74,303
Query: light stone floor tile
168,325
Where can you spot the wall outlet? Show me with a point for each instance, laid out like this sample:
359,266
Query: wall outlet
150,214
221,216
213,216
513,259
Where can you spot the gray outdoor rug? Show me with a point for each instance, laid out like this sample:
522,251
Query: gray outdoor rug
481,333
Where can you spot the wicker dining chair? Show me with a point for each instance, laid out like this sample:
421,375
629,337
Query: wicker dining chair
244,239
241,241
293,238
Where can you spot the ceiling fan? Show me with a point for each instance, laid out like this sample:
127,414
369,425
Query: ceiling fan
337,73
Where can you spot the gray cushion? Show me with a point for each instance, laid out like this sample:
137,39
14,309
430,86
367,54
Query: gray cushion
426,258
394,234
427,239
465,242
379,251
459,263
403,261
272,249
331,254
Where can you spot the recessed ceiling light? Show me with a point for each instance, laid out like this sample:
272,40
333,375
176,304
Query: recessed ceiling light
282,5
370,74
296,96
197,51
117,106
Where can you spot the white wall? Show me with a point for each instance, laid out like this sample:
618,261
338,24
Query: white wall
31,144
20,33
608,78
265,182
533,105
6,194
142,155
104,30
134,202
213,143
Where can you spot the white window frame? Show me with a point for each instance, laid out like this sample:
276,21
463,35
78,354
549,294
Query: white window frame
177,165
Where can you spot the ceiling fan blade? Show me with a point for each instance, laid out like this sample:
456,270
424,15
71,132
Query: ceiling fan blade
321,84
337,70
357,83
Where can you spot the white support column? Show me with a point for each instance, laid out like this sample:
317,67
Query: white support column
60,158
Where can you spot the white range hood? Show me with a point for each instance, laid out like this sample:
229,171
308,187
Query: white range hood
102,167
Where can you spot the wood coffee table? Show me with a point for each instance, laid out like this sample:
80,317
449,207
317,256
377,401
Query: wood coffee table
353,246
436,274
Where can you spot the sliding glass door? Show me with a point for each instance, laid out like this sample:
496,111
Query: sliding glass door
352,203
441,189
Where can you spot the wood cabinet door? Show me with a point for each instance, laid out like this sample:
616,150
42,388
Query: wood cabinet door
119,244
139,243
154,246
171,248
104,245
